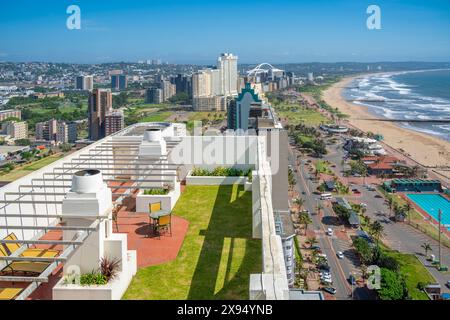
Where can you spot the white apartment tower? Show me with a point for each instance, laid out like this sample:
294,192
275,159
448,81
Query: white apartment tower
227,64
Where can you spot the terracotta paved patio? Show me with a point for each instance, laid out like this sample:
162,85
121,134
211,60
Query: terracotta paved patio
150,250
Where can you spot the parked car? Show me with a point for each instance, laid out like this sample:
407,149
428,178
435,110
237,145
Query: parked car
448,284
330,290
340,254
356,191
378,196
352,280
324,267
363,205
315,248
330,232
327,281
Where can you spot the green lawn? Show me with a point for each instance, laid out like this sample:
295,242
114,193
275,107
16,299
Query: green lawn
156,117
414,272
218,254
296,114
27,169
322,167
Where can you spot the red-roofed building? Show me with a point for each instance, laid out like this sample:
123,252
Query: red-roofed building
380,165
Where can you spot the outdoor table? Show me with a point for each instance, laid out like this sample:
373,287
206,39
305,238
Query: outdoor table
155,217
158,214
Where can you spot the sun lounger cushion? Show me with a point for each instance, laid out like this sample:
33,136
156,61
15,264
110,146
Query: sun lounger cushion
9,293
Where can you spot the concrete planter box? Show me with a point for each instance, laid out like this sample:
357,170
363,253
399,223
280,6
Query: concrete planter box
214,181
114,290
168,201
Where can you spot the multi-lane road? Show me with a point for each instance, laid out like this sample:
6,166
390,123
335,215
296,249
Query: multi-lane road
330,245
398,236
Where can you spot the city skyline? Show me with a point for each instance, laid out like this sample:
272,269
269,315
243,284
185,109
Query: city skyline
286,32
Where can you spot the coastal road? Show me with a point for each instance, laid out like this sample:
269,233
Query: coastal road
340,268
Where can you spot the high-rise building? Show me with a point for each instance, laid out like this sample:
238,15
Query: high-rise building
15,129
168,88
47,130
62,133
201,84
228,66
182,84
215,82
100,103
248,111
84,83
119,82
310,77
114,121
154,95
211,103
72,133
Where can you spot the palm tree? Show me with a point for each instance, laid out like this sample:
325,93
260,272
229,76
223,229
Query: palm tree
426,246
305,220
391,204
376,231
311,241
299,202
407,210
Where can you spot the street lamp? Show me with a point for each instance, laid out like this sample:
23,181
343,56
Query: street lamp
439,232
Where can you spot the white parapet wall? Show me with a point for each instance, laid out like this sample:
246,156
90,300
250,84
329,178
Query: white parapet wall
272,283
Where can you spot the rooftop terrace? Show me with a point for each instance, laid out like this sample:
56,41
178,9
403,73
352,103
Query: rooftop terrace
218,253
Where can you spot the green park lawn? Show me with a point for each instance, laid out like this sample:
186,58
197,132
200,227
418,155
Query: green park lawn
295,114
414,272
218,253
157,116
27,169
322,167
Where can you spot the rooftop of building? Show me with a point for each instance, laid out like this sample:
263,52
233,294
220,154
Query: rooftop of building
204,259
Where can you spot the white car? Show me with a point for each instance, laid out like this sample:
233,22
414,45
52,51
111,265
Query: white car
340,254
363,205
330,232
327,281
326,277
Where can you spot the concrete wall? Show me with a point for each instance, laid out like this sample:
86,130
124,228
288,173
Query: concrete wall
167,201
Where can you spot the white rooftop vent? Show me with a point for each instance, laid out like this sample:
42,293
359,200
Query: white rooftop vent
87,181
153,144
153,135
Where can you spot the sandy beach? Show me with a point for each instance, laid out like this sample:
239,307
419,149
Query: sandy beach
425,149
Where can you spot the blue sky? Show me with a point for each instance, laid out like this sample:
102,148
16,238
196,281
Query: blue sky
197,31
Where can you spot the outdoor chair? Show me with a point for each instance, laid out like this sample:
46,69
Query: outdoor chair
25,267
165,223
12,247
9,293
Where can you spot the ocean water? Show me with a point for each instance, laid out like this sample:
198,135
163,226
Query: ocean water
415,95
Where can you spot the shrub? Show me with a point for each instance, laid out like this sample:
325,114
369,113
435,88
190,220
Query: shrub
93,278
385,261
159,191
220,172
109,267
